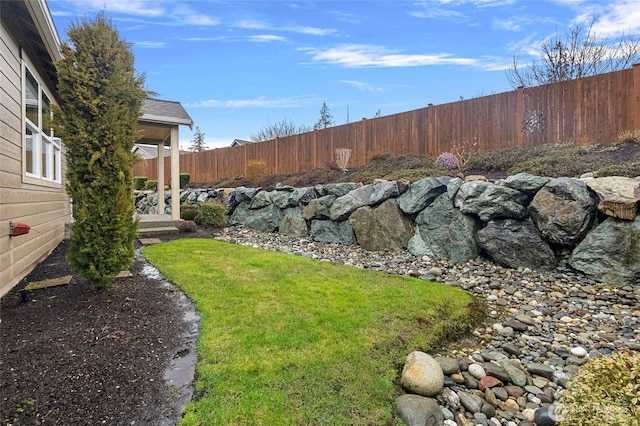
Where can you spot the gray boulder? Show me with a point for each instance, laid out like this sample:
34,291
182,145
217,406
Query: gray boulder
490,201
319,208
240,214
515,244
266,219
610,252
442,231
383,190
338,189
343,206
302,196
280,197
416,410
261,199
382,228
564,210
328,231
422,193
293,224
245,194
525,182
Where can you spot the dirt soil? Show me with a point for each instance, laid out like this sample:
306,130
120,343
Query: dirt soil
72,355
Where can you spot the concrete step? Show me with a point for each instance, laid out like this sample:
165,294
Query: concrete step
147,231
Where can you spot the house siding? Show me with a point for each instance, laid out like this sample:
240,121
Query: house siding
44,207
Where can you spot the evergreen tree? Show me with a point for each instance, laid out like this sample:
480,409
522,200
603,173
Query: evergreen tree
97,120
197,144
326,119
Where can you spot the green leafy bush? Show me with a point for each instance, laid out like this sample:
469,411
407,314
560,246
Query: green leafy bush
185,178
211,215
139,182
151,184
188,212
605,391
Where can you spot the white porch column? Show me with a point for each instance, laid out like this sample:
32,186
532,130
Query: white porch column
175,173
161,178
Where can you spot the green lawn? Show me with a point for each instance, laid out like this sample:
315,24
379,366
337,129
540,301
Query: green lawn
286,340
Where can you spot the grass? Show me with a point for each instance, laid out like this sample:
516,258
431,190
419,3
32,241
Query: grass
287,340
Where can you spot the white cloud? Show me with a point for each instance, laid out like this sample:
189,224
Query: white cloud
365,87
251,24
265,38
360,55
150,44
620,16
260,102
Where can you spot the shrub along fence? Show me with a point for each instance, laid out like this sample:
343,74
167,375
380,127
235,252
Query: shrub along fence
586,111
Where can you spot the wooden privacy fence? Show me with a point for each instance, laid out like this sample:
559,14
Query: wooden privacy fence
590,110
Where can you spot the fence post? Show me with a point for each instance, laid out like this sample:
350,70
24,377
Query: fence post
519,117
363,131
636,96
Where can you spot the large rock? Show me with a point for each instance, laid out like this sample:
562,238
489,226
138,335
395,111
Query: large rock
422,374
261,199
525,182
319,208
328,231
240,214
266,219
422,193
515,243
383,228
442,231
343,206
616,196
416,410
564,210
337,189
292,223
611,251
490,201
383,190
287,196
280,197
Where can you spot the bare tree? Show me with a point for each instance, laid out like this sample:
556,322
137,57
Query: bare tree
285,127
581,53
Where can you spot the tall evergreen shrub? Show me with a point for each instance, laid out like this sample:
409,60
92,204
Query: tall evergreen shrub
101,96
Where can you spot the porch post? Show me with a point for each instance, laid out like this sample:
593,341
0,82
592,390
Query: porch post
161,178
175,173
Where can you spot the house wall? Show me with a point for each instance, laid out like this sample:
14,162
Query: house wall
41,205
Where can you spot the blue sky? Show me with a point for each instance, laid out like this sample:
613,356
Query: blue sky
237,66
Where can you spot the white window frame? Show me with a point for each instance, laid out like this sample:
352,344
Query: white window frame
46,148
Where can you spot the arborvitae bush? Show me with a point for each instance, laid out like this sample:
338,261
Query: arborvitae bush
211,215
138,182
101,97
188,212
185,178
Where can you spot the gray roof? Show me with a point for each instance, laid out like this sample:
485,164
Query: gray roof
240,142
165,112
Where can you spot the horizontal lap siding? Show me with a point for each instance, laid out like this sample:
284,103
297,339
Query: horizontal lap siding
591,110
44,208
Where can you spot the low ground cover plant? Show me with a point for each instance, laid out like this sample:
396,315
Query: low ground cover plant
289,340
211,215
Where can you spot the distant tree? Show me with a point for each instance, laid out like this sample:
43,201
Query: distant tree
283,128
326,119
101,100
580,53
197,144
378,113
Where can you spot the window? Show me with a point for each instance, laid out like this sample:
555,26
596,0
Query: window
43,152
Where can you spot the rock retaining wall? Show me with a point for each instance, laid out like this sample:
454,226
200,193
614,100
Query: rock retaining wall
591,224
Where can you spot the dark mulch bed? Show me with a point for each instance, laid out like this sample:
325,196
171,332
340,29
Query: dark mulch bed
74,355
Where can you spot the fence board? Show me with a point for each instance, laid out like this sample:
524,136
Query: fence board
591,110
